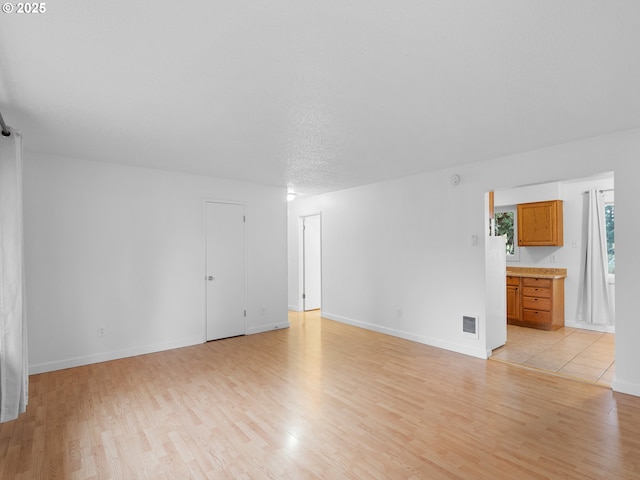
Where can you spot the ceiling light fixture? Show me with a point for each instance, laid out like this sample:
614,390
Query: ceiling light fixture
291,196
3,127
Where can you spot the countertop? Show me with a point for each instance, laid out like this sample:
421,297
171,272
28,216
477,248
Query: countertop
534,272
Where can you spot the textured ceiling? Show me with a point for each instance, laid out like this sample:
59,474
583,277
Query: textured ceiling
317,95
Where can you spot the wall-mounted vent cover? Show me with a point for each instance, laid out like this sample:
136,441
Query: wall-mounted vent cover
470,326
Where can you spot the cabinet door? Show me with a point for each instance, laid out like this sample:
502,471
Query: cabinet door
540,224
513,302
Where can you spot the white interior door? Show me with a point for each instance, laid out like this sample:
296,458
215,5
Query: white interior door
225,270
311,258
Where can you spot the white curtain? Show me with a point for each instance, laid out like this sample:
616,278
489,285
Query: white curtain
594,303
13,329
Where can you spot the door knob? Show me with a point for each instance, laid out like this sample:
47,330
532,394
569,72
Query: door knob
210,278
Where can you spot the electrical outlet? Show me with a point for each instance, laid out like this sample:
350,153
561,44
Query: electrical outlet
399,313
553,259
102,331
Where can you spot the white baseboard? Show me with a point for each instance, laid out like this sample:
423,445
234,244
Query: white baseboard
132,352
268,327
591,327
113,355
628,388
294,308
433,342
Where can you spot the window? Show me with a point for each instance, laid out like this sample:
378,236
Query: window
506,226
610,220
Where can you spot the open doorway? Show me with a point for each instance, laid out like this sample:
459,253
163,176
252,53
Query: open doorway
311,262
583,348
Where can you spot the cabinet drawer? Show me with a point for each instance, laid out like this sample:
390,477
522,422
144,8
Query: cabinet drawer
513,281
536,303
536,316
536,292
536,282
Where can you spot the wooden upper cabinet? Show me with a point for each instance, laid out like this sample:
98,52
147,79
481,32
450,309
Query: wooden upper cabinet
540,224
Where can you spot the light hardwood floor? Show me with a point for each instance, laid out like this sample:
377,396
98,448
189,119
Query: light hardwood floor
320,400
571,352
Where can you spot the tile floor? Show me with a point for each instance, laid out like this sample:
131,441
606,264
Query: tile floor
570,352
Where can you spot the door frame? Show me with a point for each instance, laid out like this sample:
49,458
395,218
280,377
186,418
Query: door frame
204,260
301,258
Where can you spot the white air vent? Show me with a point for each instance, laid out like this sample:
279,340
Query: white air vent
470,326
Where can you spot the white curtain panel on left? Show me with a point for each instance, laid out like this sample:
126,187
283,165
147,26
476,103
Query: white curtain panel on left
14,376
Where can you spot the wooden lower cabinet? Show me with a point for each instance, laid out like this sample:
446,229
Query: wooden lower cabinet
513,298
535,302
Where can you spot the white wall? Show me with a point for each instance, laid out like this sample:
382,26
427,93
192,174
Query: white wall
123,248
405,244
393,246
